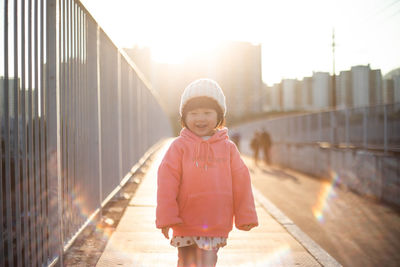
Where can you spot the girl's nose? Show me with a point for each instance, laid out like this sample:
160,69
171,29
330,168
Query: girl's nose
201,117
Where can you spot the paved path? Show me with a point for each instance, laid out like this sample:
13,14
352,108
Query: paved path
276,242
357,231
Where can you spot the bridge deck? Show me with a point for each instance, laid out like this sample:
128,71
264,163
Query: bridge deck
276,242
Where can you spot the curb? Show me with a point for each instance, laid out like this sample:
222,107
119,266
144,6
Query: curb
320,255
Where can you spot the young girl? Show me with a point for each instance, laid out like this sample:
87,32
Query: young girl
203,183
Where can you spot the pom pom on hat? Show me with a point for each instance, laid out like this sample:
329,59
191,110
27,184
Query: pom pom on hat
203,87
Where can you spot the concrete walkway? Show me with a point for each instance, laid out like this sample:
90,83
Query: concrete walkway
276,242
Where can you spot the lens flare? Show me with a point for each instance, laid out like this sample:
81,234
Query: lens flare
83,214
326,194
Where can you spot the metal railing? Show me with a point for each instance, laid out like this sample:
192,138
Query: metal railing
358,148
372,128
76,115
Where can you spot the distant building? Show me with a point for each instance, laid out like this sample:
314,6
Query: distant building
141,56
388,91
391,87
344,90
276,97
266,96
11,98
291,94
236,66
375,89
367,86
14,116
298,100
306,93
239,73
321,90
396,88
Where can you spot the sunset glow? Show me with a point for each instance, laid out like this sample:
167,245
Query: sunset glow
296,36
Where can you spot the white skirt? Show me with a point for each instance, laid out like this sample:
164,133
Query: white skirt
203,242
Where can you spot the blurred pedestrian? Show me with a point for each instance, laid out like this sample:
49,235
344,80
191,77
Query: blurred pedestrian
255,146
265,140
203,184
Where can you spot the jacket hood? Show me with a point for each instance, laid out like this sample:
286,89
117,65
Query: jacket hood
199,143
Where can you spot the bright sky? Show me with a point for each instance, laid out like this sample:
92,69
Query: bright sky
296,36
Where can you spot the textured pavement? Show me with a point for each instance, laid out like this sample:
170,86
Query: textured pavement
277,241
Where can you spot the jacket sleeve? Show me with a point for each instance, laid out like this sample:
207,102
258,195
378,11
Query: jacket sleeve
168,179
243,200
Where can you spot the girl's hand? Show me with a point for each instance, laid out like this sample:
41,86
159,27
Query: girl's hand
165,231
247,227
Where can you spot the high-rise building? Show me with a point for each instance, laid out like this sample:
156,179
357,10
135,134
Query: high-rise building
375,89
396,88
236,66
276,97
239,72
266,100
391,87
321,90
344,90
10,100
388,91
367,86
291,98
306,93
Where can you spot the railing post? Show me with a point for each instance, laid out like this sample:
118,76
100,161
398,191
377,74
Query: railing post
333,127
320,127
308,129
53,130
365,123
347,130
98,57
385,132
7,153
119,115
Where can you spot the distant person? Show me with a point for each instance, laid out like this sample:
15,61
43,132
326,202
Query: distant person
255,146
236,139
203,184
265,142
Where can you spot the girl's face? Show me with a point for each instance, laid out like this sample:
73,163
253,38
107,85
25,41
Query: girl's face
202,121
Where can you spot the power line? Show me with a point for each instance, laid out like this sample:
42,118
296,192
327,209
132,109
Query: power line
386,7
391,16
370,18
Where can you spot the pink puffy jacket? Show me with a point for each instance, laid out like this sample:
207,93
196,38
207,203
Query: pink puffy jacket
202,186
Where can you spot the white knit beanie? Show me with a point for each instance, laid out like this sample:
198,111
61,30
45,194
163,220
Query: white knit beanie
203,87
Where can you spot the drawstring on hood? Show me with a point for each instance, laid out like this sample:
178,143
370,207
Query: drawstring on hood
197,153
198,141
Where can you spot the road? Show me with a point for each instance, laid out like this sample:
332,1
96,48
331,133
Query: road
355,230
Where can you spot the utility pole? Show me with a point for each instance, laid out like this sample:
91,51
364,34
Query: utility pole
333,70
332,116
